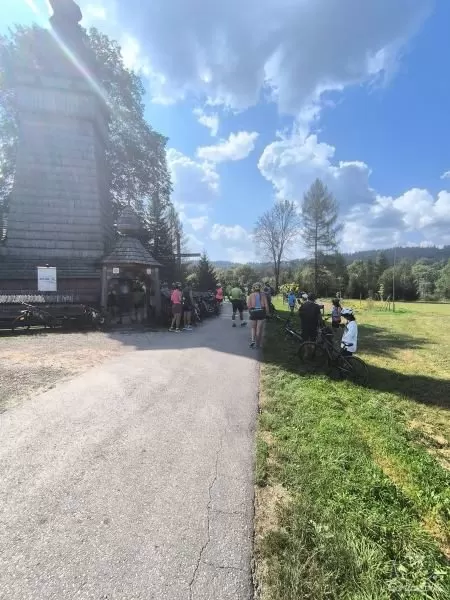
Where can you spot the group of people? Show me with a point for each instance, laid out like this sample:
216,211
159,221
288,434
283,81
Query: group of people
311,318
183,305
259,305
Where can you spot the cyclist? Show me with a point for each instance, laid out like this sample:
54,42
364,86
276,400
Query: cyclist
177,307
269,293
188,307
310,317
336,313
258,307
237,302
219,294
292,301
349,342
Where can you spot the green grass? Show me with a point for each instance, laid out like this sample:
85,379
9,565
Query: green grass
365,512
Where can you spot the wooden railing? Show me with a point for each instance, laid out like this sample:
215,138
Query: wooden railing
33,297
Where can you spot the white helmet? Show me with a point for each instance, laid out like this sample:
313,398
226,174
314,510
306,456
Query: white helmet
347,312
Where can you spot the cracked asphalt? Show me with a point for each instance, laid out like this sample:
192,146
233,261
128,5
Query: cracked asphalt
135,480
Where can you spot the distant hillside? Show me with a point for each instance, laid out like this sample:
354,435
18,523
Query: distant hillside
413,254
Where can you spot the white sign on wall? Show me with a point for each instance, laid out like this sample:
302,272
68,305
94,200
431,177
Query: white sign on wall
47,279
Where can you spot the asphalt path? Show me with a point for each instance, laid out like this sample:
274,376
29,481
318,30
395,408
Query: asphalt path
135,479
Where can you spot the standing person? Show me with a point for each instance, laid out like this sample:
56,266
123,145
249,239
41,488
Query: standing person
310,317
292,301
269,293
219,294
336,314
237,302
258,307
177,308
188,307
349,342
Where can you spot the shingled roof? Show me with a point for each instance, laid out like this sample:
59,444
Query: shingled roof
130,251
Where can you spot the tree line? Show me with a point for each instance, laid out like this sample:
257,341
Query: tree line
135,152
315,225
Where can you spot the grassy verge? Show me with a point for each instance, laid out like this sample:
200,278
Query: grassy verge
353,497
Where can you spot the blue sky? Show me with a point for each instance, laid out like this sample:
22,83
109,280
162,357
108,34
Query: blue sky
259,98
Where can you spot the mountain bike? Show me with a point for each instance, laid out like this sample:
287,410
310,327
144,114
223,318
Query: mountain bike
289,331
323,354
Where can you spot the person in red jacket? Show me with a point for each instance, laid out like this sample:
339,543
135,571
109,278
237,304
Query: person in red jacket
219,294
176,299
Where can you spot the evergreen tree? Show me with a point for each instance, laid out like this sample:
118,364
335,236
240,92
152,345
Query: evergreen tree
381,264
158,229
443,282
207,278
320,226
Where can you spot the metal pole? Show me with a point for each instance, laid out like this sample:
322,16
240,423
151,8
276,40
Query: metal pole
393,280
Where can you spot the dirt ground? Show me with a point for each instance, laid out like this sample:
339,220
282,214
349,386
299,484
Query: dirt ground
31,363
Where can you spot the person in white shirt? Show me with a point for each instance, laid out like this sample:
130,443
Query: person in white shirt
349,342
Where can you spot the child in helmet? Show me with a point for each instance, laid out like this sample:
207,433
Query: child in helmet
349,342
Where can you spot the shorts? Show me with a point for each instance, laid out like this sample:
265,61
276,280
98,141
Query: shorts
257,314
187,307
238,306
176,309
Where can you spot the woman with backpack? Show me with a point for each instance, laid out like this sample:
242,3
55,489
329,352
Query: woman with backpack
258,307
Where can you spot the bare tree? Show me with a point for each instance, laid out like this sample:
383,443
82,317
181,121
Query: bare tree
320,225
275,231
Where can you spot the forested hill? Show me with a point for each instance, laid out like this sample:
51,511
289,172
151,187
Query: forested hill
413,254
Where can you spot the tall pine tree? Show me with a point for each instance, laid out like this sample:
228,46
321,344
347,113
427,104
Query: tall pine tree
207,278
320,226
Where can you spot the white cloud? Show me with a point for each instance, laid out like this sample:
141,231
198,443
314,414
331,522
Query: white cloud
296,50
95,12
237,147
292,162
445,175
234,233
194,243
198,223
211,121
194,183
235,242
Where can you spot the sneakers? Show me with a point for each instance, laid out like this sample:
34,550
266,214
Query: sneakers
177,330
252,344
171,330
244,323
187,328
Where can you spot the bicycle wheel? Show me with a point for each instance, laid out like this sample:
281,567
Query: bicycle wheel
354,369
312,355
21,321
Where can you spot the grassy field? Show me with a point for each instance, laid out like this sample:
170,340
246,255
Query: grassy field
353,484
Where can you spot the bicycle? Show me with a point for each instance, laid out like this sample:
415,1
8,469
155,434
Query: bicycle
32,315
322,353
289,331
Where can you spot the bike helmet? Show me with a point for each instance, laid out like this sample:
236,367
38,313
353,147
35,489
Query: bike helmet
347,312
256,287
